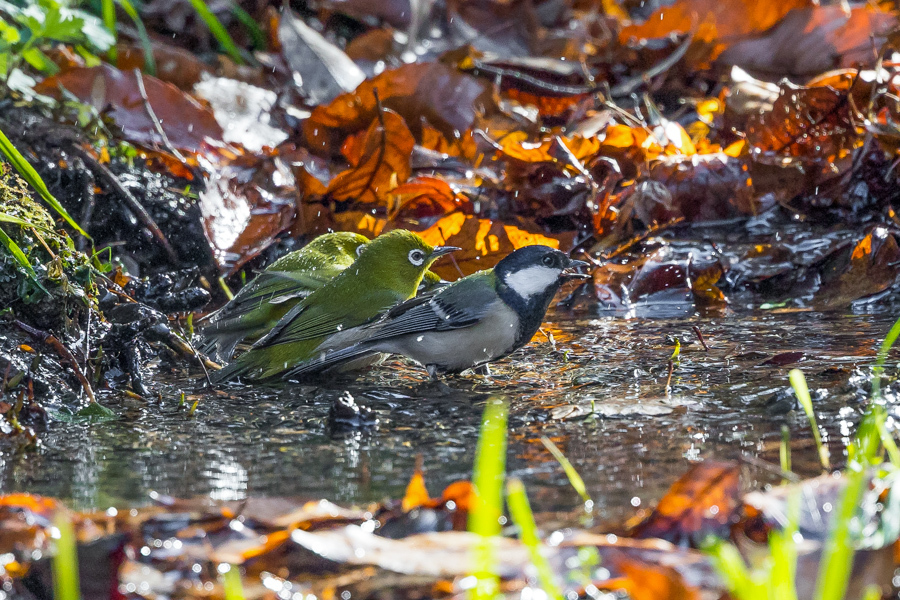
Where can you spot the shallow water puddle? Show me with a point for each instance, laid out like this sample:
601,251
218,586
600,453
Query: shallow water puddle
598,390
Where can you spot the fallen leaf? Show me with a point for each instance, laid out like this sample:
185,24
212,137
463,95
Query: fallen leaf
383,162
805,123
483,242
808,41
447,99
704,501
189,126
321,70
716,25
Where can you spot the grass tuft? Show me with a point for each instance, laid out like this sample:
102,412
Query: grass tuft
31,176
487,509
523,517
65,561
798,382
574,478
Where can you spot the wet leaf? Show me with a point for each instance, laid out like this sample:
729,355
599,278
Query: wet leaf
189,126
419,203
483,242
808,41
807,123
870,266
704,501
173,65
716,25
416,492
383,162
447,99
321,70
644,581
245,206
785,358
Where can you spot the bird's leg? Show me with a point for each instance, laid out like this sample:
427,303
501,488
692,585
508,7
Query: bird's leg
432,372
483,370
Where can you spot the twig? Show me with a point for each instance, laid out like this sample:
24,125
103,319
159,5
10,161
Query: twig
63,352
112,181
700,337
156,124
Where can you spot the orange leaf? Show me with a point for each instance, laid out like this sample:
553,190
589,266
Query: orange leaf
416,493
716,24
443,96
703,501
386,150
483,242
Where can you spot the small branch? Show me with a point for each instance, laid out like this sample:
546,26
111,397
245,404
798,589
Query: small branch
110,179
64,353
156,124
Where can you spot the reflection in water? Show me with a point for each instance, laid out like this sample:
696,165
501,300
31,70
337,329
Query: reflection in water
723,403
227,479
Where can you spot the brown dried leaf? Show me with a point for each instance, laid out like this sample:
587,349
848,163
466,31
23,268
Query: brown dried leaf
703,501
483,242
383,161
189,126
446,98
811,40
717,25
806,123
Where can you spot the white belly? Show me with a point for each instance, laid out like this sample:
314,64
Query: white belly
459,349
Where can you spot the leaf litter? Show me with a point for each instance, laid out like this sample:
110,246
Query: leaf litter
664,146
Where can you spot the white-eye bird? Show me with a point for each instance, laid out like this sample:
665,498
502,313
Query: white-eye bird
260,304
470,322
388,271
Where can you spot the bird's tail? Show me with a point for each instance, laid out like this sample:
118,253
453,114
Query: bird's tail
331,360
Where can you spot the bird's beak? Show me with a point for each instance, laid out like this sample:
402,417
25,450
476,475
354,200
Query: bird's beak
442,250
574,264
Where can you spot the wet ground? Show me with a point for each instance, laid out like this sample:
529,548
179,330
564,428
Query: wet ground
723,403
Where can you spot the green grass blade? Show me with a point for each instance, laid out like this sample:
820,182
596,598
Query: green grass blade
146,44
520,511
730,566
109,20
30,175
782,578
13,248
574,478
886,345
485,514
798,382
257,37
218,30
231,582
784,451
837,556
65,561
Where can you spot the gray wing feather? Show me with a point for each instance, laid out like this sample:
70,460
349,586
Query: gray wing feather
459,305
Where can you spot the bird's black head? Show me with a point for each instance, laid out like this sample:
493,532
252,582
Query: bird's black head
528,278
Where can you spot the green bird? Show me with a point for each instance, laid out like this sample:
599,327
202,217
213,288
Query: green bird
389,270
259,305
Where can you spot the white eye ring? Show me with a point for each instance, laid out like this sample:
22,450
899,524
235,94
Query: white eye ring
416,257
359,250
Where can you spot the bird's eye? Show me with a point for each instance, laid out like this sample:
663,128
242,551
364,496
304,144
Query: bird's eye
359,249
548,260
416,257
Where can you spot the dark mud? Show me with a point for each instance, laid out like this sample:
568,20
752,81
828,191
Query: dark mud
728,402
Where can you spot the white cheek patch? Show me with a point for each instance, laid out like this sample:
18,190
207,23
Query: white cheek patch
531,281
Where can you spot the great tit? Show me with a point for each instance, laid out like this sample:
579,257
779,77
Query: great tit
472,321
259,305
388,270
